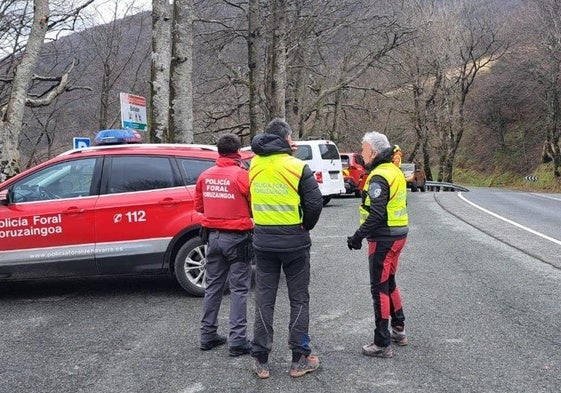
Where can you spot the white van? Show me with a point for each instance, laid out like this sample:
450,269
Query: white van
322,156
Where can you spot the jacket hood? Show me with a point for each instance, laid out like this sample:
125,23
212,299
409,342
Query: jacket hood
230,160
266,144
385,156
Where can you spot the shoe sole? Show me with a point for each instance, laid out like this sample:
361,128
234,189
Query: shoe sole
235,354
401,342
208,345
377,354
209,348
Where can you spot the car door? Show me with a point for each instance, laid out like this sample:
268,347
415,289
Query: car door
47,227
143,205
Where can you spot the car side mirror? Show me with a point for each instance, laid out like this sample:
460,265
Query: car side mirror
5,197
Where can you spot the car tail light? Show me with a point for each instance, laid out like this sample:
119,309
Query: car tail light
319,177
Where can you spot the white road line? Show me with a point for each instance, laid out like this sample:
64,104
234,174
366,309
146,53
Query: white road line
546,196
509,221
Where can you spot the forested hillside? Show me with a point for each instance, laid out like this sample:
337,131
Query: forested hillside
464,87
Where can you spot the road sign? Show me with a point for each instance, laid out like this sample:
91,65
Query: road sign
80,143
133,112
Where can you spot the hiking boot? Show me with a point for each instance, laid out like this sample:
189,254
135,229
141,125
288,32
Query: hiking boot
215,342
261,369
398,336
305,365
239,350
376,351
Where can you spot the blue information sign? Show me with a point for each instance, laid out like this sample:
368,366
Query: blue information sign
80,143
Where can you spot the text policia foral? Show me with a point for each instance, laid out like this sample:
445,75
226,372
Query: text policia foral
217,188
30,226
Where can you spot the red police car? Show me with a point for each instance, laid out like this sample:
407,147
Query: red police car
354,173
107,210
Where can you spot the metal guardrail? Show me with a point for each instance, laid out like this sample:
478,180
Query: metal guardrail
442,186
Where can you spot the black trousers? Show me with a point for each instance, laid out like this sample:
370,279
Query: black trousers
296,267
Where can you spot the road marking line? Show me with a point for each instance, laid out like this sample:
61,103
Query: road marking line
546,196
509,221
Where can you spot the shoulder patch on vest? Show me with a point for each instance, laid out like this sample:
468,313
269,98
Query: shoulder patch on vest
374,190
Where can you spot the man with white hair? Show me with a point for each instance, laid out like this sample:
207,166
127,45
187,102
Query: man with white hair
383,222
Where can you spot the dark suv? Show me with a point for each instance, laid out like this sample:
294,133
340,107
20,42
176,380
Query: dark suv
107,210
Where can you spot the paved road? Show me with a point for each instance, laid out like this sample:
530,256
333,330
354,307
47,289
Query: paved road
482,316
528,221
537,211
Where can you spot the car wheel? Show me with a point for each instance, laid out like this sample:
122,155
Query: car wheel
413,187
358,193
423,187
326,200
190,267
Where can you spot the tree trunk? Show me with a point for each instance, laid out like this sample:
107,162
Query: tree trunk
104,98
551,146
12,119
159,71
277,60
334,134
254,28
181,89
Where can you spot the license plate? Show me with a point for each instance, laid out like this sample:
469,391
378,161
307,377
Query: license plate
334,176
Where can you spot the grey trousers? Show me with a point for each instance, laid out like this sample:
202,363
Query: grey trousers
227,259
296,267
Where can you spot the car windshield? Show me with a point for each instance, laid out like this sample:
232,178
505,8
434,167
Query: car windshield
63,180
329,152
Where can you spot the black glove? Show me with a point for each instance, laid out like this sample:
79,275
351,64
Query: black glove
354,242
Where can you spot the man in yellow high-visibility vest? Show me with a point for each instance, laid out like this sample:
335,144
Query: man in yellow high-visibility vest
384,223
286,204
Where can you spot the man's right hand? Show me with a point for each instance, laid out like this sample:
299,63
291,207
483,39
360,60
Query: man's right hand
354,242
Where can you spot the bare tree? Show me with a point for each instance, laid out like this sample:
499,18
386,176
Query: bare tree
229,75
335,47
276,60
545,19
115,47
454,43
160,66
181,90
12,112
472,47
253,65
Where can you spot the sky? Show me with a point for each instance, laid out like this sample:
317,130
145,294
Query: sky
104,10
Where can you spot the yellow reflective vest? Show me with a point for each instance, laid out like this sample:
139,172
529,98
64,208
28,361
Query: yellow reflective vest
274,184
397,204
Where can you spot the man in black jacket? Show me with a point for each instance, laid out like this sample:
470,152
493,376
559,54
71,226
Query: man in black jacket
286,204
